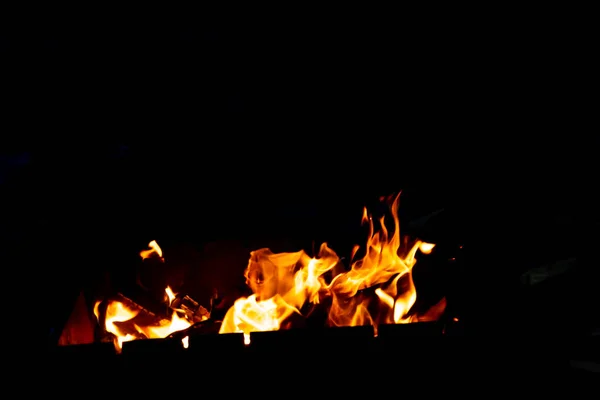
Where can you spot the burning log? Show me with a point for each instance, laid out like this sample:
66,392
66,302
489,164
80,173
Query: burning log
417,329
290,291
125,320
151,310
141,316
192,310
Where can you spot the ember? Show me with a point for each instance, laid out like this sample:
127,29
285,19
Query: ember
376,290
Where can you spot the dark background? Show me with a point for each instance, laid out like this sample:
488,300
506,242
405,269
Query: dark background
188,132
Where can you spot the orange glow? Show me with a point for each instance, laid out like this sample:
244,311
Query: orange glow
376,287
154,249
170,295
283,283
128,329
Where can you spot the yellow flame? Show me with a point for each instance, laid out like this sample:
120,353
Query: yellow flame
284,283
378,288
170,295
426,248
118,312
165,328
154,248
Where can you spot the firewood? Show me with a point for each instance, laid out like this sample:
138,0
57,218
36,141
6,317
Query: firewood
193,311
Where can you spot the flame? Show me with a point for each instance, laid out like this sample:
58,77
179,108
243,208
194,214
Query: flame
282,284
154,248
118,312
387,268
165,328
170,295
378,288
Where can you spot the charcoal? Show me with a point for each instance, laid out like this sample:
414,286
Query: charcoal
209,326
145,317
192,310
140,299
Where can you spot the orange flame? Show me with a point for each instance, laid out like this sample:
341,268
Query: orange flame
283,283
154,248
384,269
118,312
170,295
377,289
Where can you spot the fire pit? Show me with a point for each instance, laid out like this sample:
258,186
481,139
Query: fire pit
298,302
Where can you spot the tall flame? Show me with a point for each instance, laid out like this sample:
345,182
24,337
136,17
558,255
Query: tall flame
386,267
118,312
377,289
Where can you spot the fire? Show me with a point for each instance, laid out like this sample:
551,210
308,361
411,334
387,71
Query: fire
176,324
170,295
282,284
387,268
128,329
154,249
378,288
117,312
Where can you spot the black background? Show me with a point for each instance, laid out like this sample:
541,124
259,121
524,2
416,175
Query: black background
123,131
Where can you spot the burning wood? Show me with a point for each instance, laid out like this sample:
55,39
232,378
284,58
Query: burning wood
192,310
377,289
283,282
